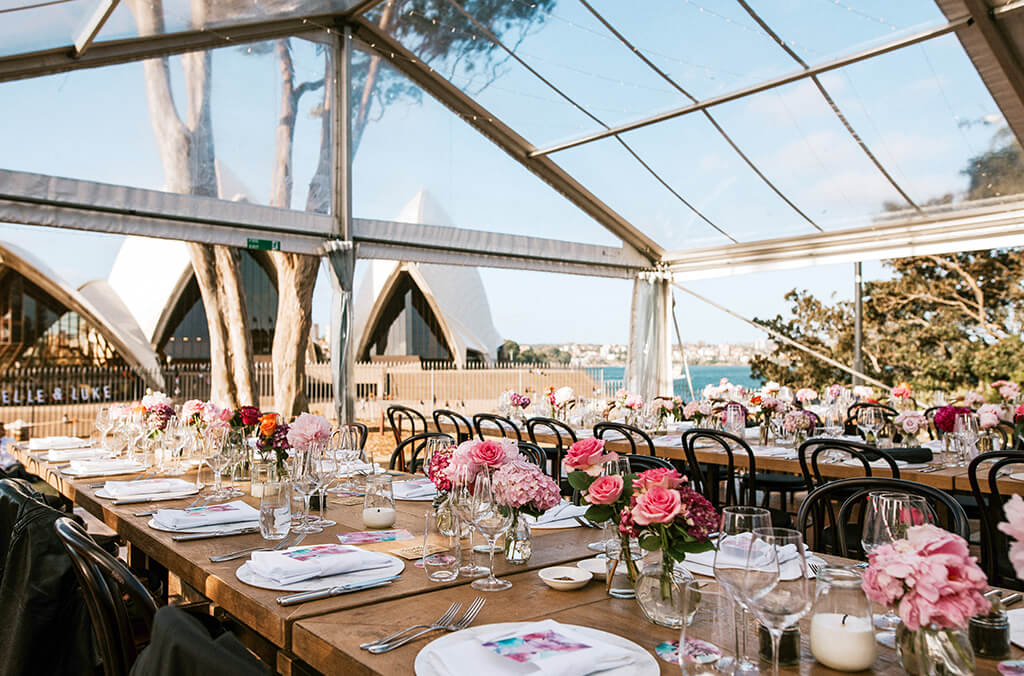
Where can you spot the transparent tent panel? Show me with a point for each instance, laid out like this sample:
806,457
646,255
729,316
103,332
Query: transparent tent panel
927,115
794,137
112,139
415,161
33,26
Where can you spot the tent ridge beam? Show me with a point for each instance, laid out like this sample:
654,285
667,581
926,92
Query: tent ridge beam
949,27
503,136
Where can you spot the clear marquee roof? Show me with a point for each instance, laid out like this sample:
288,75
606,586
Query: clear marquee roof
587,136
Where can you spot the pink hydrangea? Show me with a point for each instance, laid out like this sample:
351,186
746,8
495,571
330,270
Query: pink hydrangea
308,429
522,485
929,577
1014,527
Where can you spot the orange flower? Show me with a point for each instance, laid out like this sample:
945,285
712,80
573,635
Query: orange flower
756,400
268,423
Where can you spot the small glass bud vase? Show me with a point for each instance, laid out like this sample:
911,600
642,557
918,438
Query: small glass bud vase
518,540
842,627
931,651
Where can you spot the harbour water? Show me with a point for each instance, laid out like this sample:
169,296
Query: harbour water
702,375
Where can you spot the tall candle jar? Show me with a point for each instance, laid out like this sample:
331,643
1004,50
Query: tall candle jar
379,502
842,627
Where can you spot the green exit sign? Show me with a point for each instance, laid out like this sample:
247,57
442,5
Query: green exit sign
263,244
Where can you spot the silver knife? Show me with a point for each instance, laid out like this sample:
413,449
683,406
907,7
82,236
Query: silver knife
215,534
303,597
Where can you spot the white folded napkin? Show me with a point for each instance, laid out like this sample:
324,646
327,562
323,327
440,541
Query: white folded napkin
881,463
414,488
124,489
1016,617
735,556
773,451
306,563
669,440
545,648
76,454
185,519
50,443
106,466
562,515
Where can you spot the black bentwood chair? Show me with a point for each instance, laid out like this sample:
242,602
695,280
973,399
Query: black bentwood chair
811,453
417,443
994,543
634,435
818,516
106,583
462,427
533,453
357,430
564,437
400,416
505,427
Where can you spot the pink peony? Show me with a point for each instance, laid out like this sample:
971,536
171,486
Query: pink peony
945,417
834,391
658,505
191,408
930,577
910,422
863,391
634,401
605,490
660,477
1014,527
690,409
308,429
806,395
972,398
988,416
211,413
1006,389
155,399
587,455
901,391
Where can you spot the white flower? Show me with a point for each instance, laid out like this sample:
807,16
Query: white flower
153,398
564,395
863,391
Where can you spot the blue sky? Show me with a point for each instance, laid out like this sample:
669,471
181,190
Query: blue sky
923,111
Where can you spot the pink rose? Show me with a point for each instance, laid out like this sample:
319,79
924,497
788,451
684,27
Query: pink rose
491,453
587,455
605,490
658,505
658,477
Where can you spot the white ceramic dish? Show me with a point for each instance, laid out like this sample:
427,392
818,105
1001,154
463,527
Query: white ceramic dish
596,567
644,664
246,575
565,578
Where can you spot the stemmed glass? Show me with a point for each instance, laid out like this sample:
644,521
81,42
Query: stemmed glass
235,452
965,431
735,421
491,519
617,467
778,601
833,419
735,537
327,469
216,456
104,423
461,500
887,517
870,421
305,481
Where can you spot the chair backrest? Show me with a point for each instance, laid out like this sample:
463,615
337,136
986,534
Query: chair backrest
564,436
356,430
416,443
106,581
1007,436
736,493
850,425
463,428
990,500
533,453
817,511
812,451
933,431
632,434
402,416
642,463
505,427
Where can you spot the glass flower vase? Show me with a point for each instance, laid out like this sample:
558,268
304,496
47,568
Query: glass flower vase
659,589
518,540
930,651
444,516
263,472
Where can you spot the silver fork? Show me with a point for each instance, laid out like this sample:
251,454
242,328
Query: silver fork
816,567
287,542
463,622
448,616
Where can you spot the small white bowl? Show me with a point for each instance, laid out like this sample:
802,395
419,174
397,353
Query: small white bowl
596,567
555,577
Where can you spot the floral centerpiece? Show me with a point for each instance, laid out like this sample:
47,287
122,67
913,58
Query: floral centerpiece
806,395
766,408
988,416
1014,527
936,587
972,398
799,424
192,413
1018,421
864,392
272,442
559,400
158,412
699,412
523,488
667,409
945,417
519,403
1006,390
835,392
900,397
910,423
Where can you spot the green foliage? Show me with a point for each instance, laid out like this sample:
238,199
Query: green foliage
580,480
599,513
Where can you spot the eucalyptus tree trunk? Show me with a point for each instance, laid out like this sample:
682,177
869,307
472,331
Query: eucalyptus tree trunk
187,153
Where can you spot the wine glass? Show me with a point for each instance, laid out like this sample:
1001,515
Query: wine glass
965,431
887,518
870,420
326,464
734,541
492,519
304,479
236,451
735,420
833,418
461,501
216,458
619,466
104,423
778,600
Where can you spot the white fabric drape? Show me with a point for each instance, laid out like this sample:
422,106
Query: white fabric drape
649,360
341,257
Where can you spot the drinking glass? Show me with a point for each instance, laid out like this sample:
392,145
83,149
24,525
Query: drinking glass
778,601
735,420
216,457
461,500
304,480
442,552
345,448
870,421
276,510
965,431
735,537
104,423
326,464
491,519
619,466
379,502
707,613
832,417
887,516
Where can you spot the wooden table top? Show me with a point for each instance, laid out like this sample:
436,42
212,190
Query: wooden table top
330,642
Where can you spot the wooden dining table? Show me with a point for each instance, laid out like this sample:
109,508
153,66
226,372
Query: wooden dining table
323,636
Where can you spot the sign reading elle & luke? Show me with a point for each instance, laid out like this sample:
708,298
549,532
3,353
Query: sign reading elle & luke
22,396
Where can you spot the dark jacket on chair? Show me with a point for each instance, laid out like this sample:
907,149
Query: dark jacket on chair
44,623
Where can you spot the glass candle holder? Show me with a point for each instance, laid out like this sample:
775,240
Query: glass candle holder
379,502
